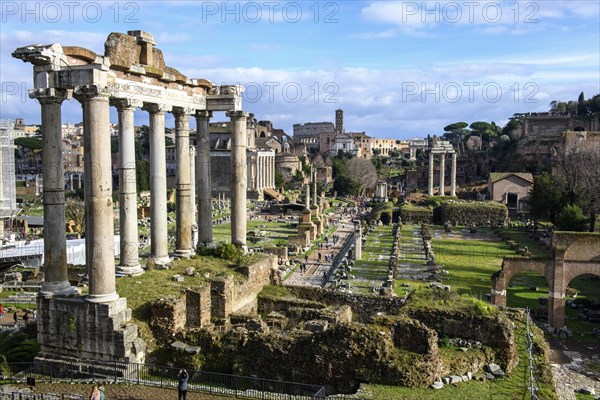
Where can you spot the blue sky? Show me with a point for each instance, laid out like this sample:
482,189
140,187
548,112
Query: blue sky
398,69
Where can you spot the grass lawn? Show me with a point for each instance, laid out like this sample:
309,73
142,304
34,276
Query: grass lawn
371,269
275,232
470,262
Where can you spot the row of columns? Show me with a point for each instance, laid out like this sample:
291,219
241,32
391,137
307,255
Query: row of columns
442,191
265,172
99,236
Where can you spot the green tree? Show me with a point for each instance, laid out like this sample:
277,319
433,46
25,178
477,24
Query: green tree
511,126
546,197
16,347
485,129
581,106
142,175
344,186
279,180
29,142
572,218
456,131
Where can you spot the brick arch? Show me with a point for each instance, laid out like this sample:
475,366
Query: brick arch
586,248
575,270
512,267
575,254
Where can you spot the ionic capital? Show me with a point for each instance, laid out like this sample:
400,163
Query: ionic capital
237,114
203,114
88,92
154,108
50,95
123,104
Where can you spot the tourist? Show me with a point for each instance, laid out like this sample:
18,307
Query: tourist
101,390
26,317
1,311
95,393
16,318
183,383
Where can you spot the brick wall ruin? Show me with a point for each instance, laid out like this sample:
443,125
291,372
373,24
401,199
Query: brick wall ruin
214,302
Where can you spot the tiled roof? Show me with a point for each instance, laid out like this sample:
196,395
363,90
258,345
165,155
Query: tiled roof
497,176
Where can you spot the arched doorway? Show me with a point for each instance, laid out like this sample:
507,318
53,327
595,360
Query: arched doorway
529,289
582,308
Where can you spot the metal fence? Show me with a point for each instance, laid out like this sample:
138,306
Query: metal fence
165,377
39,396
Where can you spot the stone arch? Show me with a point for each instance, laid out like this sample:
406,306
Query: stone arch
512,267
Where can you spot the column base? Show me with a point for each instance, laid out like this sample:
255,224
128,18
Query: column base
183,253
102,298
158,262
210,245
58,289
130,270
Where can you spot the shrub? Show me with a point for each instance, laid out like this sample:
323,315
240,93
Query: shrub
572,218
476,213
416,215
225,251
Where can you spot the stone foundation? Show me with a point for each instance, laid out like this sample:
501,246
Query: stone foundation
74,327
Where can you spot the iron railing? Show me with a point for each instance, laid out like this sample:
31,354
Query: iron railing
164,377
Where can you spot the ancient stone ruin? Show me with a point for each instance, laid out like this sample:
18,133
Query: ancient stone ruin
130,74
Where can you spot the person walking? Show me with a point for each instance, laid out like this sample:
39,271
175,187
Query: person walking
101,390
16,318
1,311
95,393
183,383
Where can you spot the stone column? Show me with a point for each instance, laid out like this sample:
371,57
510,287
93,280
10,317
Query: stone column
272,165
357,240
442,174
430,182
194,195
453,176
314,179
99,235
159,243
203,180
129,263
55,241
307,197
239,181
184,216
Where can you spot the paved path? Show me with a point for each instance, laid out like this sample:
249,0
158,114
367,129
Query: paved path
315,268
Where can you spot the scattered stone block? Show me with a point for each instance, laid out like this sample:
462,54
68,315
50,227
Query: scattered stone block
465,378
190,271
470,375
446,380
455,379
177,278
587,390
437,385
316,326
192,349
492,367
178,346
489,376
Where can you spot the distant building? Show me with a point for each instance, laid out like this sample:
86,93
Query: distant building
8,188
511,188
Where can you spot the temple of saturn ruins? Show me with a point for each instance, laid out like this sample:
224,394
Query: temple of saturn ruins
442,148
130,74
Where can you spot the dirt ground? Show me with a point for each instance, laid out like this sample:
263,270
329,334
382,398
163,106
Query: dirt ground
115,392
